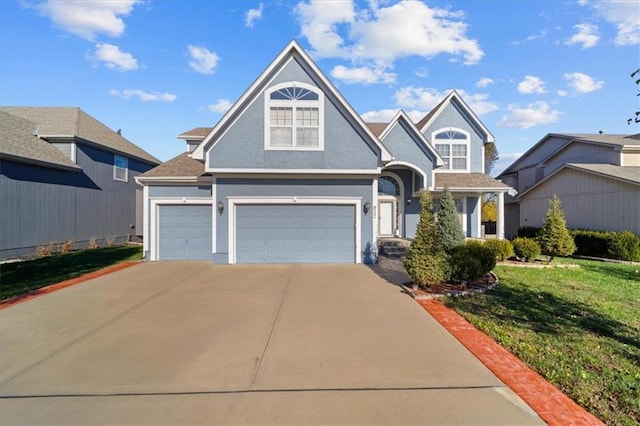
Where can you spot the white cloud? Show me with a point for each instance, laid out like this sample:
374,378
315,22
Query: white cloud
376,35
586,35
386,115
362,75
88,18
253,15
202,60
531,85
143,96
625,15
528,116
427,98
114,58
562,93
221,106
582,83
484,82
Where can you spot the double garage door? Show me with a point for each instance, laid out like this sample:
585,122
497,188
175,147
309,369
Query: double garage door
262,233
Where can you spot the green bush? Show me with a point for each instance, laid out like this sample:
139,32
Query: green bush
501,249
529,232
526,248
471,261
555,239
449,226
624,246
591,243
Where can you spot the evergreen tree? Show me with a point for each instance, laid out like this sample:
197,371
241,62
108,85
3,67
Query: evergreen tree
449,226
426,262
555,238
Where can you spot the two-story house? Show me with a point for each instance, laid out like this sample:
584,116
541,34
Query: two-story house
65,176
292,174
596,176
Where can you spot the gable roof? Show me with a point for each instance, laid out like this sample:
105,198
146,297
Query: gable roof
292,50
468,181
181,167
18,143
402,116
626,174
602,139
56,122
454,96
197,133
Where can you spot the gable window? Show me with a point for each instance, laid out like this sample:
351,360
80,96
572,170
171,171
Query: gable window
120,168
453,147
294,118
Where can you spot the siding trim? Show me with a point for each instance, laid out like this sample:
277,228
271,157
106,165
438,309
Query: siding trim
155,230
234,201
349,172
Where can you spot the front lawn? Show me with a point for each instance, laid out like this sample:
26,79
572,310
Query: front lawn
22,277
579,328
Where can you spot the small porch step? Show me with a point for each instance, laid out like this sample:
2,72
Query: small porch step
393,247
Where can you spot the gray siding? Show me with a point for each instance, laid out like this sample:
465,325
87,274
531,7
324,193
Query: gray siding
65,148
242,146
582,153
226,187
473,214
542,151
454,116
404,147
41,205
589,202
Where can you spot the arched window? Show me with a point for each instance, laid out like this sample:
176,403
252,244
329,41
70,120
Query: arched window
294,117
388,186
453,146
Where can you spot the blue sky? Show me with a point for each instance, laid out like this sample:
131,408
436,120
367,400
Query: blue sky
156,68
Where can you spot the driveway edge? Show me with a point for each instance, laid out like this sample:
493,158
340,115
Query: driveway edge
553,406
64,284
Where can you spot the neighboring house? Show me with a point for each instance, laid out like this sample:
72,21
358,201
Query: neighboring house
597,178
292,174
64,176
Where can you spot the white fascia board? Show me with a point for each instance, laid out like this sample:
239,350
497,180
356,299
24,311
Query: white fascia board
172,179
288,172
473,189
401,114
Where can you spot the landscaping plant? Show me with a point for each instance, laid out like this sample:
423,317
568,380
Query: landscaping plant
526,249
555,239
501,249
470,262
426,261
449,226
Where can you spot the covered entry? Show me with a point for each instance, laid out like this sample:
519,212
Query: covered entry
295,233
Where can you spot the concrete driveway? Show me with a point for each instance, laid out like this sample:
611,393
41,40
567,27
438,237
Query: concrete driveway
194,343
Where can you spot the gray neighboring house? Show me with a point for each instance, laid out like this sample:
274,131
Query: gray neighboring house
596,176
66,176
291,173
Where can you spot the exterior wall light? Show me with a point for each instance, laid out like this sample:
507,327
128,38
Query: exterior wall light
366,207
220,207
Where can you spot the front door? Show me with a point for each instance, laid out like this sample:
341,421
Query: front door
386,217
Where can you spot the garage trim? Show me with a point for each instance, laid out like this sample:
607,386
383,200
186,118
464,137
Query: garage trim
234,201
155,231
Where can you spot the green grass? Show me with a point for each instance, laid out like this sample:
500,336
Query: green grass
579,328
22,277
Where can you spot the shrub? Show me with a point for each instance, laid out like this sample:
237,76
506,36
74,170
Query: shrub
526,248
471,261
93,243
426,261
529,232
555,239
45,250
625,246
65,247
110,242
501,249
449,226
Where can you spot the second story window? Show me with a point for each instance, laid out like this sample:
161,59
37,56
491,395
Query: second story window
120,168
293,118
453,147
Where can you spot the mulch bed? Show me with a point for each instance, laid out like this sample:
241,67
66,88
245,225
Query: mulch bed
446,289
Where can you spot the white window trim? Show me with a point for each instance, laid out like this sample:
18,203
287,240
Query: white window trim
450,142
235,201
155,222
115,168
462,215
268,103
400,200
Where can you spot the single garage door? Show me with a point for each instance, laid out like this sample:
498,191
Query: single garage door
184,232
295,234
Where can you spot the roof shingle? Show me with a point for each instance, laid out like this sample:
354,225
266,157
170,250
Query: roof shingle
181,166
467,180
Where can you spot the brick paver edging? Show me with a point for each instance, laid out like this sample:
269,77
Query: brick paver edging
64,284
553,406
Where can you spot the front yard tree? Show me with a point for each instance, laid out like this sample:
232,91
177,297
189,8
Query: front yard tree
449,226
426,261
555,238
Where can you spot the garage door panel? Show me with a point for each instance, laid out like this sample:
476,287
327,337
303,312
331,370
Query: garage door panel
184,232
295,233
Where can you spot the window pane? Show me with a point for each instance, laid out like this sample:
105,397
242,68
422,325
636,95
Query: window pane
459,150
443,149
458,203
121,174
281,136
307,136
436,206
120,161
459,163
388,186
281,116
306,116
